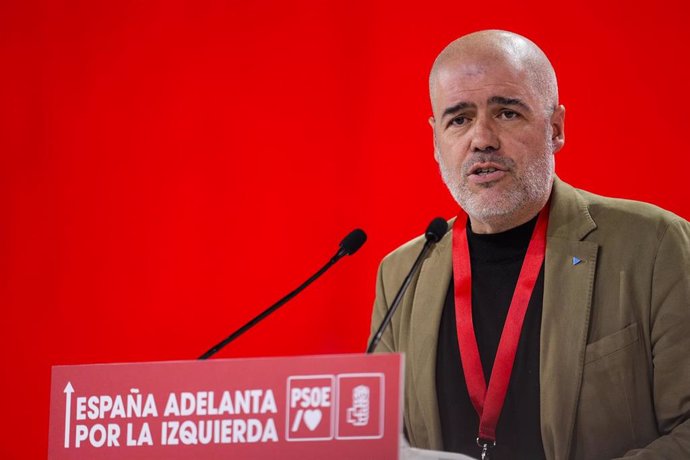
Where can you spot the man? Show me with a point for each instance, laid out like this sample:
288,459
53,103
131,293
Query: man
579,350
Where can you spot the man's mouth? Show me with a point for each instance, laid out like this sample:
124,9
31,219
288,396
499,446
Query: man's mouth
486,168
486,173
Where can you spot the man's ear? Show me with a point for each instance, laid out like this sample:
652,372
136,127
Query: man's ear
558,128
432,123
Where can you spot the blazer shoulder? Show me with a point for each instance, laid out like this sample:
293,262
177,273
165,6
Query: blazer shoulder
630,215
406,251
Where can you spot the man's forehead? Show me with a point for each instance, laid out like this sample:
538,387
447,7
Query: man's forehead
478,90
478,81
474,68
462,70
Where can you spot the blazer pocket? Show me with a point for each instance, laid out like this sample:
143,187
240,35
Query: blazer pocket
611,343
615,406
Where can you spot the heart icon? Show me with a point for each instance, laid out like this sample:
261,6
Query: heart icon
312,418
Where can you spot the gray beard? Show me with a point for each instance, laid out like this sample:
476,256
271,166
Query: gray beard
532,186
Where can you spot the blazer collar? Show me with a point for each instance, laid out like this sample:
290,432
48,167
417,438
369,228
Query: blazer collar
569,216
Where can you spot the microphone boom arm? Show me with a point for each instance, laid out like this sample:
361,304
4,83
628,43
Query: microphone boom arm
348,246
220,345
434,232
398,297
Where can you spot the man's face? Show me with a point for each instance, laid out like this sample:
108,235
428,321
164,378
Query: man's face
494,137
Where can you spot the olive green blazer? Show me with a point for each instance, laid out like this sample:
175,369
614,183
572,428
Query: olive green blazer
615,333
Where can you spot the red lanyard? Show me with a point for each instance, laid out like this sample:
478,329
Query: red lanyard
488,403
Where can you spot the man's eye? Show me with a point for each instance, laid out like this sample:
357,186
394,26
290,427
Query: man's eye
458,121
509,115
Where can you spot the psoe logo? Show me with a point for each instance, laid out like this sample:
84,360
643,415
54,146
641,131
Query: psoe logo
360,407
358,412
310,401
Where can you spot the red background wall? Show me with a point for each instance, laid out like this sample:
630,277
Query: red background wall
168,169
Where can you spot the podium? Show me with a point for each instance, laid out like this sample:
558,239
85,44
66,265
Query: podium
310,407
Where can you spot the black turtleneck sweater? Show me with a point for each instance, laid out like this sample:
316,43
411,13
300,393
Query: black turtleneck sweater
496,261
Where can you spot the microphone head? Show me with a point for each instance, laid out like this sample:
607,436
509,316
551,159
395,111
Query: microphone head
352,242
436,229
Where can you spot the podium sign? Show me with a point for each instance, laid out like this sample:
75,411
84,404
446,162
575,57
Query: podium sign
312,407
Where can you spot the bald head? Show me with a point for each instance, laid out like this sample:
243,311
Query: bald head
483,51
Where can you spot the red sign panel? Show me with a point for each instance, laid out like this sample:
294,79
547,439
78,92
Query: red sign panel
334,406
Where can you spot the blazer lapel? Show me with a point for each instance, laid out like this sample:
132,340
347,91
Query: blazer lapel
570,267
429,298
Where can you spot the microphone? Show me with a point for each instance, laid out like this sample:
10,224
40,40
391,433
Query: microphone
436,229
348,246
434,232
351,243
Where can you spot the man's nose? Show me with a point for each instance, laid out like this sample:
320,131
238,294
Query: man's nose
484,135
